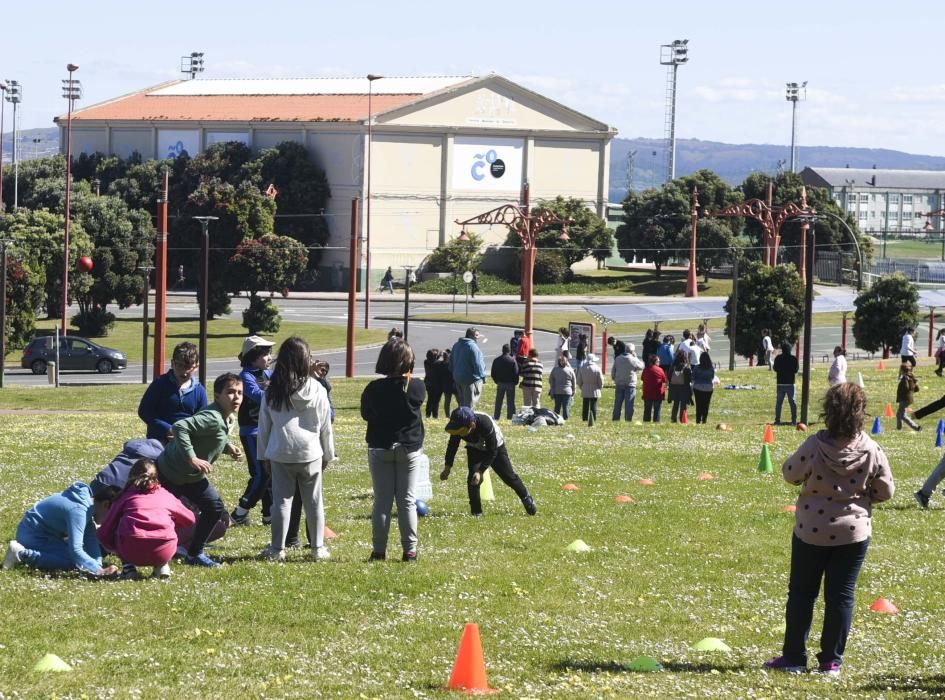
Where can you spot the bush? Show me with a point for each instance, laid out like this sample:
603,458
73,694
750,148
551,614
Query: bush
456,256
94,323
262,316
550,267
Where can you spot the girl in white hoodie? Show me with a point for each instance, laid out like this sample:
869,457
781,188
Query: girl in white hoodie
296,440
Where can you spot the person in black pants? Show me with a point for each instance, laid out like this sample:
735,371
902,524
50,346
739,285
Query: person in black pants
433,382
505,373
485,447
447,385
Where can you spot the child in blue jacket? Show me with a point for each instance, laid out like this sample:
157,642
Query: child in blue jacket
174,395
58,533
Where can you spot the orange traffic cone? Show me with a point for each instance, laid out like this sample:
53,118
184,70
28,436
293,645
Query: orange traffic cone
769,434
889,411
882,366
329,534
469,671
683,418
881,605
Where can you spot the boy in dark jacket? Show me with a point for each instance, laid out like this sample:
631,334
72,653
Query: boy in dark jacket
485,447
505,375
174,395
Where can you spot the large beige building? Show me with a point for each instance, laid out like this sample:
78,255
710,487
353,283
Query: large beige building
442,149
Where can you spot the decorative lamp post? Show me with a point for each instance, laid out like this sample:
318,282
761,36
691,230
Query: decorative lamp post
14,95
204,292
367,214
792,95
527,225
408,279
72,91
930,227
692,285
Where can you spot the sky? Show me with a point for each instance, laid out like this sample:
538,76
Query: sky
874,73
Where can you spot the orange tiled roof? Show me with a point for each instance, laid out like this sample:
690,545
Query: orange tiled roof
241,108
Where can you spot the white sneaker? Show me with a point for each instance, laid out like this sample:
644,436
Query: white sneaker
162,571
12,557
321,553
270,554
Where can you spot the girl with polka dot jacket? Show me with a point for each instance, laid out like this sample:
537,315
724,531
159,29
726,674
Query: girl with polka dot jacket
841,472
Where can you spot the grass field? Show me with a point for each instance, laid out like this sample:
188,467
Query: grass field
922,248
687,559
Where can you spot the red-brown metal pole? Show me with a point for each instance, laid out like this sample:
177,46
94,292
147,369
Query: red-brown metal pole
805,227
843,333
603,351
352,289
160,286
528,276
692,286
931,327
769,235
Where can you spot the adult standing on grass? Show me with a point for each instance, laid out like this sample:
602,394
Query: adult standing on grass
580,353
296,439
907,347
563,385
522,347
654,385
767,349
838,370
564,338
666,353
255,357
505,375
785,370
591,381
442,368
680,384
624,373
468,368
174,395
704,381
184,465
532,374
940,351
842,473
391,406
432,382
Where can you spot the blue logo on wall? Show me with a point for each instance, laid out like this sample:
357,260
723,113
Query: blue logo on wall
491,158
176,149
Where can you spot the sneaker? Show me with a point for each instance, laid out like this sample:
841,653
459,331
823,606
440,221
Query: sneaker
12,557
181,552
239,520
162,571
321,553
829,668
129,572
267,520
409,556
270,554
293,544
377,556
779,663
201,560
477,515
920,498
529,504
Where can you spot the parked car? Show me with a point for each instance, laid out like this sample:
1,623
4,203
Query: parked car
75,353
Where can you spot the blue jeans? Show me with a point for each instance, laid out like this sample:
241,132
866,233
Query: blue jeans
209,505
785,390
562,404
506,391
45,550
624,395
839,567
259,486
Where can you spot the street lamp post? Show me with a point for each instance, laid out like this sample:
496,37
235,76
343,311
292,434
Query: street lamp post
72,91
408,278
527,225
3,90
856,245
733,313
204,292
3,306
14,94
792,95
146,273
367,214
808,315
673,55
692,283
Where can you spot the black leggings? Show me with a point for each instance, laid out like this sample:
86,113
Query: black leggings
703,399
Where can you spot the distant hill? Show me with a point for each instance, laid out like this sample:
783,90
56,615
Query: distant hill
34,143
734,162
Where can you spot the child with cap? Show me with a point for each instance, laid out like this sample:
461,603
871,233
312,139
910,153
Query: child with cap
485,447
255,357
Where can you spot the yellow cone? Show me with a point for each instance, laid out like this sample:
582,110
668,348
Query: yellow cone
485,488
51,662
578,546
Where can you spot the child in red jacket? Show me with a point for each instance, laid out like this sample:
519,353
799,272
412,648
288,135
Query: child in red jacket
654,385
141,527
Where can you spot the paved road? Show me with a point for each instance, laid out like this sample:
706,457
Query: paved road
422,335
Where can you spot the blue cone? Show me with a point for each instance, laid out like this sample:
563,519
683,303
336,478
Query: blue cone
941,425
940,440
877,426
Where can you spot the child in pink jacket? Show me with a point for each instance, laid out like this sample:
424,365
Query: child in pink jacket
141,527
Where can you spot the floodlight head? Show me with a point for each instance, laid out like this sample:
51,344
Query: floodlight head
14,91
192,64
371,77
3,85
72,68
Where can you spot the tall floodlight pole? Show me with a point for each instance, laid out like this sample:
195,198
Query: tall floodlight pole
793,94
672,55
3,89
367,200
72,91
204,292
192,64
3,306
14,95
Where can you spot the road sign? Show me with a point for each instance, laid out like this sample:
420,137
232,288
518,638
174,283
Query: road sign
467,277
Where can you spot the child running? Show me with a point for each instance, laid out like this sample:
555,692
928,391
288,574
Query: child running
842,472
906,390
485,447
141,526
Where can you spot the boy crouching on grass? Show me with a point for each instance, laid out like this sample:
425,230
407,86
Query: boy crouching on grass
485,447
184,465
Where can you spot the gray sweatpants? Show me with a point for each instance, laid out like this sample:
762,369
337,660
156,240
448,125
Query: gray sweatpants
394,475
308,476
935,478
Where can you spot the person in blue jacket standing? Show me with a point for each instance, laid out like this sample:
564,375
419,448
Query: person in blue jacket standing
174,395
468,368
58,533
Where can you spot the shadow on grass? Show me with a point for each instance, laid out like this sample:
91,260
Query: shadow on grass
621,667
927,685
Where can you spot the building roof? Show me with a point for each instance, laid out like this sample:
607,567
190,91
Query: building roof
874,178
289,100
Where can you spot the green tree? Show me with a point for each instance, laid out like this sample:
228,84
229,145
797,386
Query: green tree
768,297
883,311
714,244
24,298
457,256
